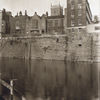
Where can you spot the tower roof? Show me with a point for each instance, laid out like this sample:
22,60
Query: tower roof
56,6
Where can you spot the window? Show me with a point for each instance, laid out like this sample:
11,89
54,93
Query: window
56,22
50,23
72,14
79,21
72,7
97,28
69,30
73,30
35,23
79,29
42,31
79,12
79,6
72,22
17,25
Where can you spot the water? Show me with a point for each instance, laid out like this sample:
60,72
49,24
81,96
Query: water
50,80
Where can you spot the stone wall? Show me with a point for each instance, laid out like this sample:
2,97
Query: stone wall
71,47
96,47
12,48
48,48
40,47
79,46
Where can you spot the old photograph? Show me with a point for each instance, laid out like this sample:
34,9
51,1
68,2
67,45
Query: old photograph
49,49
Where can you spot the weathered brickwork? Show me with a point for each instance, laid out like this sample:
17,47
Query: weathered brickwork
48,47
12,48
71,47
55,24
79,46
36,25
96,47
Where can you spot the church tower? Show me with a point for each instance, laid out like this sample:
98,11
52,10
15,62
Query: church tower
56,10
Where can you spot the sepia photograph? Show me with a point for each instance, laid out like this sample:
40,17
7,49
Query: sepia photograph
49,49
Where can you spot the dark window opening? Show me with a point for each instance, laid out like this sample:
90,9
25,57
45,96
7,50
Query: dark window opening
42,31
79,45
57,40
26,44
11,42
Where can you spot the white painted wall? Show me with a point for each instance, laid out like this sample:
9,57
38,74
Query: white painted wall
91,28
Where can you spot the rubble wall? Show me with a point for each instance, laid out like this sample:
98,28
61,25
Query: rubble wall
70,47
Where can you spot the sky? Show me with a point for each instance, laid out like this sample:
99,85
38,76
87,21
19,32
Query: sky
40,6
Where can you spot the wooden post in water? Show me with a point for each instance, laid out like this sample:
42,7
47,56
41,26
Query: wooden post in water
9,86
11,89
0,86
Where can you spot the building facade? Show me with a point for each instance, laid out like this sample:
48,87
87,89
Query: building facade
56,10
79,13
20,24
55,22
36,25
5,28
77,16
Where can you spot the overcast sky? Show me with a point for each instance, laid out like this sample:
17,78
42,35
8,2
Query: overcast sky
40,6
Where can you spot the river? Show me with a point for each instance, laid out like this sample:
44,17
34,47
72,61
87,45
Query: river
49,79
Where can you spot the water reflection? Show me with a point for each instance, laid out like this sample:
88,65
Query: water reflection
51,80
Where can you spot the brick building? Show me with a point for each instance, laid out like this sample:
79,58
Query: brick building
77,16
36,25
5,22
79,13
20,24
44,23
56,10
55,22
